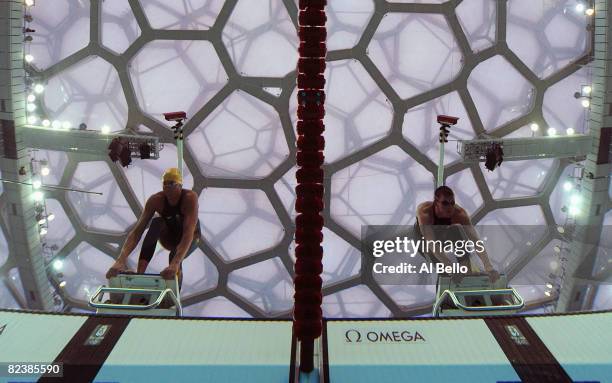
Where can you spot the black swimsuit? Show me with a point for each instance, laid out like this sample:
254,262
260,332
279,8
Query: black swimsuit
173,218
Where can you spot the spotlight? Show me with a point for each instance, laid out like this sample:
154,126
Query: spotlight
29,58
44,171
551,131
574,211
534,127
145,151
30,107
31,98
50,217
585,90
29,3
575,199
586,103
36,184
589,12
46,123
62,284
39,88
32,119
567,186
570,131
66,125
42,221
549,286
58,264
38,196
580,7
105,129
43,231
56,124
557,249
547,293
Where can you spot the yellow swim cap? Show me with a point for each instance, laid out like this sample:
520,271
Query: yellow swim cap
172,174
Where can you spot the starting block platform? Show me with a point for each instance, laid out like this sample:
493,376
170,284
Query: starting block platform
121,348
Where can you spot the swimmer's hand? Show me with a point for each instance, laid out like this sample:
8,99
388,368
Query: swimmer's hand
169,272
116,268
493,275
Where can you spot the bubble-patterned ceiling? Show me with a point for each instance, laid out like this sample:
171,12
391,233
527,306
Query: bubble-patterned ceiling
392,67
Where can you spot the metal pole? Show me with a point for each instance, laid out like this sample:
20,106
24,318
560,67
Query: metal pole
441,166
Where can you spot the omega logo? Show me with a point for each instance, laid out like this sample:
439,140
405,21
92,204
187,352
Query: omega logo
356,336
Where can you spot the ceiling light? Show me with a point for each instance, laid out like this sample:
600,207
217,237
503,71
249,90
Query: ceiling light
29,58
570,131
586,103
46,123
589,12
39,88
30,107
585,90
42,221
31,98
36,184
58,264
66,125
580,7
50,217
549,286
567,186
56,124
547,293
551,131
534,127
32,119
575,199
62,284
105,129
29,3
44,171
574,211
43,231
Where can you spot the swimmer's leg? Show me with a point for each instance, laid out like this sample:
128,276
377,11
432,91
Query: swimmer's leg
149,244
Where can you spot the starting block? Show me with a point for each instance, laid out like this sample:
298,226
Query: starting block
138,294
475,295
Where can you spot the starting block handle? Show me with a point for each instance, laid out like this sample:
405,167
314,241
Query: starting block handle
453,295
117,290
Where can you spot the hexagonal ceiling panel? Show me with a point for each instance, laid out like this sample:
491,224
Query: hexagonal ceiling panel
179,75
119,26
88,92
402,37
346,21
242,138
574,115
517,178
62,28
84,271
189,14
546,36
467,194
266,285
108,212
477,19
253,35
237,222
499,99
383,189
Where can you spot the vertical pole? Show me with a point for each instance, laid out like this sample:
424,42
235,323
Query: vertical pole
178,136
441,166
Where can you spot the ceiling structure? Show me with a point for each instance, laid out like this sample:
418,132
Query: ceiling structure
392,67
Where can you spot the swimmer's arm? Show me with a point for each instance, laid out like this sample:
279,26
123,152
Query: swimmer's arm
425,224
136,233
472,235
190,219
